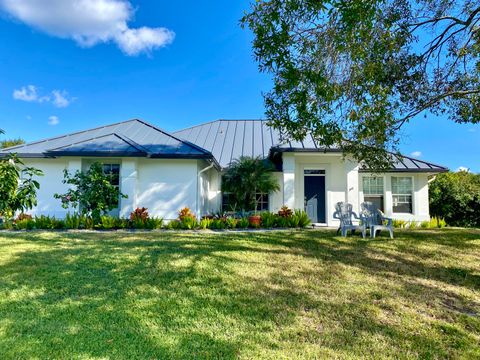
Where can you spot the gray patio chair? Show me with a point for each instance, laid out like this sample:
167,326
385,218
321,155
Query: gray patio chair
344,212
375,219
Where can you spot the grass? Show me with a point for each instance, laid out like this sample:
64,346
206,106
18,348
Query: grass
271,295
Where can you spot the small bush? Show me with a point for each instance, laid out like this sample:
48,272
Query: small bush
153,223
185,213
174,225
269,220
138,217
285,212
218,224
299,219
399,224
188,223
23,216
44,222
425,224
412,224
108,222
205,223
25,224
243,223
72,221
231,222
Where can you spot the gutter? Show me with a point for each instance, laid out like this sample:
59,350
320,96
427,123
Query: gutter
198,187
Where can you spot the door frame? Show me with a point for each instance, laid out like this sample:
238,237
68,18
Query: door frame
307,168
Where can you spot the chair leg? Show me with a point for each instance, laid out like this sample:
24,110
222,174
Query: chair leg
391,233
374,233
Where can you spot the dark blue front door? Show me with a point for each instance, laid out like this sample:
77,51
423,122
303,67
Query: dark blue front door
315,198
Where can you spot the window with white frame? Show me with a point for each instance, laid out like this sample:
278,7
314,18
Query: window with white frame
402,194
113,173
373,190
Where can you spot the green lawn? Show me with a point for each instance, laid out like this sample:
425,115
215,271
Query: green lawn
271,295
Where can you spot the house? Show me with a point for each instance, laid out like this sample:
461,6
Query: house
165,172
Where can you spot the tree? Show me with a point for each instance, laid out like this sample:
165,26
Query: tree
247,177
456,198
18,187
92,191
11,142
352,73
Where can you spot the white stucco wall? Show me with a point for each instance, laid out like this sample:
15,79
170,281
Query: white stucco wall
166,186
51,183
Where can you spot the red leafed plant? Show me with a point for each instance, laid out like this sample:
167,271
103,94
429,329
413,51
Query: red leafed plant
285,211
140,214
23,216
185,213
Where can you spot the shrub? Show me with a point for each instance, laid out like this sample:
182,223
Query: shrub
174,225
455,197
205,223
72,221
412,224
122,223
188,223
218,223
285,212
153,223
185,213
399,224
283,222
269,220
231,222
139,218
23,216
44,222
108,222
299,219
425,224
187,219
25,224
243,223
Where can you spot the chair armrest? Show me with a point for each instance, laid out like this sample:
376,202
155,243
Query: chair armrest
355,215
389,220
335,215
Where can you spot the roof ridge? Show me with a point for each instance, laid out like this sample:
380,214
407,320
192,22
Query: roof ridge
176,138
69,134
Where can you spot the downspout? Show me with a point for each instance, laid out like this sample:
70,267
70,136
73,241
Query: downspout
199,190
432,179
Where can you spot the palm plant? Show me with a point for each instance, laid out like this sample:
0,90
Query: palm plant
245,178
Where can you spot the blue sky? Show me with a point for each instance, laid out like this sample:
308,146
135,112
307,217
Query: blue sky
174,64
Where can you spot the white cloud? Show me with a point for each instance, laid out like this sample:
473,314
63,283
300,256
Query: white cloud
31,93
89,22
27,93
463,168
60,99
53,120
416,154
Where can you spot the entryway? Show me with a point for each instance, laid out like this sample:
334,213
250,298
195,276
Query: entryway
314,188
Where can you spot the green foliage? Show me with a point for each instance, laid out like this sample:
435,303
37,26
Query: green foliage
11,142
247,177
243,223
218,224
188,223
399,224
205,223
25,224
352,73
299,219
231,222
44,222
72,221
269,220
455,197
18,186
108,222
174,225
92,191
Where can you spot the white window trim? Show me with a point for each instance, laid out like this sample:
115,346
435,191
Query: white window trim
413,193
362,193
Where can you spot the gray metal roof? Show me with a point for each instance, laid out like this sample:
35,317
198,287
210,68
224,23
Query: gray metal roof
129,138
222,141
227,140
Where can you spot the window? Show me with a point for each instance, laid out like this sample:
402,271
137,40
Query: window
113,172
228,205
402,191
373,190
